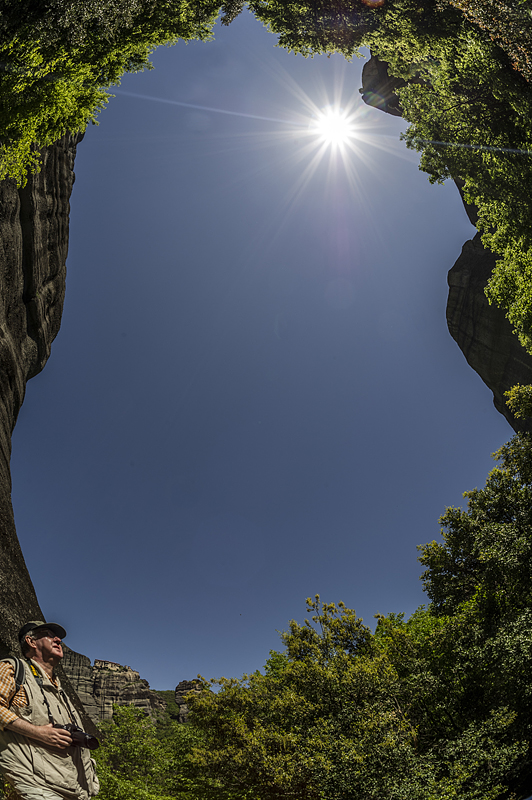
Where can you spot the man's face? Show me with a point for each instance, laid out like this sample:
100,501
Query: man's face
47,646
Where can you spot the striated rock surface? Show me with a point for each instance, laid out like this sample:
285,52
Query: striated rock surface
481,331
33,250
181,690
104,683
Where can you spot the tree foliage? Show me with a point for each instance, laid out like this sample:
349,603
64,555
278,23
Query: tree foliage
435,707
57,58
507,24
469,101
149,759
130,762
519,401
470,112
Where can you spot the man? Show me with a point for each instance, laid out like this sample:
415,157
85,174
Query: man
39,760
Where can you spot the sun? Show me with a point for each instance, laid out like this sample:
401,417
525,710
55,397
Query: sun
334,126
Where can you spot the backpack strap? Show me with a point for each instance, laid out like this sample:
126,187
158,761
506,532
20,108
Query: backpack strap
20,670
20,673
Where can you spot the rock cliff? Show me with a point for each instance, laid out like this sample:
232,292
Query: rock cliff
481,331
104,683
379,89
33,250
181,690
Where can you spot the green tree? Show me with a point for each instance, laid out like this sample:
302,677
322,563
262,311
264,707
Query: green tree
130,761
344,714
150,759
485,558
469,110
321,710
506,23
57,58
479,579
519,400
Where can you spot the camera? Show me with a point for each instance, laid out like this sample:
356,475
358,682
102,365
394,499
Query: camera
79,737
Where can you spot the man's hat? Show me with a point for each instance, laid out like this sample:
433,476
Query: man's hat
39,623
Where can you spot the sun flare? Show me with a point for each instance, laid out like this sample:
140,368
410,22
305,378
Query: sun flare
334,126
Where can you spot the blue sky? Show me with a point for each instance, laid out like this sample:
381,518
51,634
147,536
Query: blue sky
253,397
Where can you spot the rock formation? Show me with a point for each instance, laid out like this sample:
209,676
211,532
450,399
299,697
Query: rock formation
379,88
33,250
181,690
101,685
480,330
34,245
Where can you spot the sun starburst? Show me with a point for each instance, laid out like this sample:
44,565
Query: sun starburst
334,126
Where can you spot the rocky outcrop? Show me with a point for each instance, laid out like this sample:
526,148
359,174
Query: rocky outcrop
379,89
181,690
105,683
480,330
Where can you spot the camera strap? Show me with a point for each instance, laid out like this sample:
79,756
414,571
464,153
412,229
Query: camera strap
40,683
68,708
39,680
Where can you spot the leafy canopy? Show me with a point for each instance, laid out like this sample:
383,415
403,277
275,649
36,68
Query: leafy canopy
149,759
57,58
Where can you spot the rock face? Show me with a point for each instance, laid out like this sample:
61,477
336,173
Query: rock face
33,251
181,690
104,683
481,331
379,89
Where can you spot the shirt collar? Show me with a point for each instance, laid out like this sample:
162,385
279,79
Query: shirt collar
54,680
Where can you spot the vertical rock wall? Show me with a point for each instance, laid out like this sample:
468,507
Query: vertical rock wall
482,332
33,251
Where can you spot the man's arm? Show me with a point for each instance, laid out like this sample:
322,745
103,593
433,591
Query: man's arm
8,690
44,734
